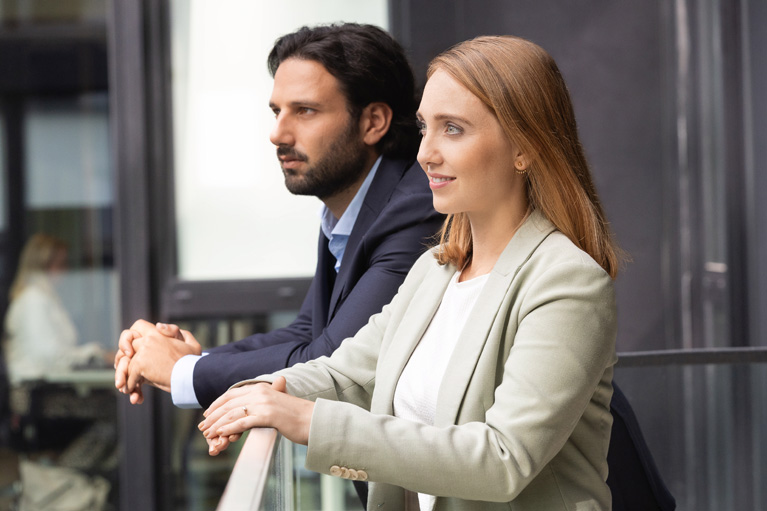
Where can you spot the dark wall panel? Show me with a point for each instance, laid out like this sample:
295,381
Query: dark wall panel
756,108
612,56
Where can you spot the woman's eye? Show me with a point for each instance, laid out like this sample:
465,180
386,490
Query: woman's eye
421,127
452,129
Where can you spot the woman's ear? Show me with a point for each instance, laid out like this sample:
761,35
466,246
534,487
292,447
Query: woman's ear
375,122
521,162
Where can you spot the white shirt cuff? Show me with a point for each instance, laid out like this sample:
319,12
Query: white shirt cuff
182,382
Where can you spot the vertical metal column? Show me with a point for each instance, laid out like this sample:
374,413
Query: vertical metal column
128,105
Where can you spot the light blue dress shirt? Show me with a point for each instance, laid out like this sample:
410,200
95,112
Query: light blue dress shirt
336,230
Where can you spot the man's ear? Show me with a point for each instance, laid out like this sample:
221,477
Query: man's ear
375,122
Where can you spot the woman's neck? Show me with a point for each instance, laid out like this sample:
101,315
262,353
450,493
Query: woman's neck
490,235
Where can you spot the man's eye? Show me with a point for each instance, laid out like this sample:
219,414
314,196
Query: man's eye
421,127
305,110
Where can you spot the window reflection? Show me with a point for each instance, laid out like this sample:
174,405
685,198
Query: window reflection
58,282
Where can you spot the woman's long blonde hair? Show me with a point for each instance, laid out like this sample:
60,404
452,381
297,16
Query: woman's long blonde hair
37,257
520,83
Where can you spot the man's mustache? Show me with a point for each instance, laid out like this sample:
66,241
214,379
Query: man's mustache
287,151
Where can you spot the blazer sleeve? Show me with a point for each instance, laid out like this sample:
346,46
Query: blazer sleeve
563,347
349,373
398,237
224,365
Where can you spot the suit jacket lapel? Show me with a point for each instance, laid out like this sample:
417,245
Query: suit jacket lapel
324,281
387,177
408,333
463,361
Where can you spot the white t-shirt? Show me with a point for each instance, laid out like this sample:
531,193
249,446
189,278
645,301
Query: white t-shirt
40,336
415,397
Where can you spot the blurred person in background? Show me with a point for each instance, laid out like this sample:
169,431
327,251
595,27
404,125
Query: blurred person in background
40,336
42,352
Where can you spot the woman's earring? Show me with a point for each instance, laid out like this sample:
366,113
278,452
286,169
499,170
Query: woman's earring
521,170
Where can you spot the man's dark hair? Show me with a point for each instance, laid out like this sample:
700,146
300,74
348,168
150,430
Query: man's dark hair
370,66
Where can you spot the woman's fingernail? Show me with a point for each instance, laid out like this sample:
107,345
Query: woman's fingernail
160,325
201,426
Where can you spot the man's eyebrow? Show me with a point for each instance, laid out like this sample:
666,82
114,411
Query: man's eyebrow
299,103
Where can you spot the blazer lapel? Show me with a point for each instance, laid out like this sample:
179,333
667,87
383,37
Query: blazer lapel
324,280
387,177
412,325
464,359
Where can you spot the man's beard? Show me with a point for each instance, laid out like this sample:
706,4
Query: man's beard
336,170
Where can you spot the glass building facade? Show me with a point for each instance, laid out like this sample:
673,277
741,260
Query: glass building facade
136,133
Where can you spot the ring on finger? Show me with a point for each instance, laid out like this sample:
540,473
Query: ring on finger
245,409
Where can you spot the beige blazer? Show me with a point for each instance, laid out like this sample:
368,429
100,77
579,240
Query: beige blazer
523,419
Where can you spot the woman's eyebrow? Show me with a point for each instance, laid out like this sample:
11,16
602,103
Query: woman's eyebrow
447,117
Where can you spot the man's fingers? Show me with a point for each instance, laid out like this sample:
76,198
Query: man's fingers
142,326
137,396
121,374
191,341
134,374
170,330
125,344
118,355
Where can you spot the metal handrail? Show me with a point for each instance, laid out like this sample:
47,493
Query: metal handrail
250,475
737,355
246,487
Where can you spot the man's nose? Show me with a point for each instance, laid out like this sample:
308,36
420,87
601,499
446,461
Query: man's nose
282,132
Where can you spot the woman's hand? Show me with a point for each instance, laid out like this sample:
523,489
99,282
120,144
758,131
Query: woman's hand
219,444
254,406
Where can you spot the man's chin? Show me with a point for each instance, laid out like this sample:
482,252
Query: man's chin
297,186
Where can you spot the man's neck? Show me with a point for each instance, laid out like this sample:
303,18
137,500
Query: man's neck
338,202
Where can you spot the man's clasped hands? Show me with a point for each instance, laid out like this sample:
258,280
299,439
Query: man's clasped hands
147,353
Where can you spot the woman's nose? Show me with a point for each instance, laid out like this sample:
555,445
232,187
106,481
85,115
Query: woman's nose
428,154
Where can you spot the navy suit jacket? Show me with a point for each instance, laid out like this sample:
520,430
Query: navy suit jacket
394,226
634,480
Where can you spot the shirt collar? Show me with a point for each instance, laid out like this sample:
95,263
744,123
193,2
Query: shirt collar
344,225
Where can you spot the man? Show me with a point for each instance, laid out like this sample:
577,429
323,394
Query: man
344,107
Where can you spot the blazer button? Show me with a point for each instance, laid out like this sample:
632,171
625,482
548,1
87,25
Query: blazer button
335,470
353,474
345,472
362,475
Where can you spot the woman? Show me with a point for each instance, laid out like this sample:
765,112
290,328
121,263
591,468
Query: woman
40,336
486,383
